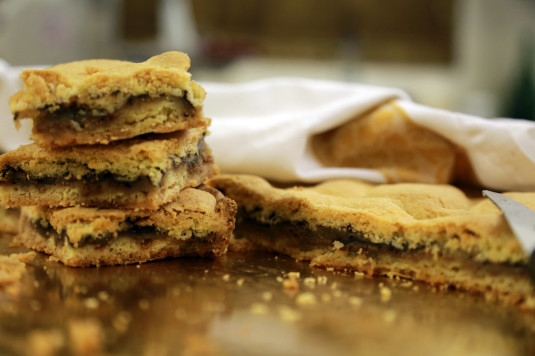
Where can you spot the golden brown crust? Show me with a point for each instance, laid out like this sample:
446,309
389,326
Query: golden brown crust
105,84
431,233
199,222
385,139
415,215
99,101
139,173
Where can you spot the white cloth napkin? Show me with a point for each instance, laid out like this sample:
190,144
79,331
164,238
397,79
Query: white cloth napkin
264,128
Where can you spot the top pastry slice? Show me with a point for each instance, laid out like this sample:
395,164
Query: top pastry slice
99,101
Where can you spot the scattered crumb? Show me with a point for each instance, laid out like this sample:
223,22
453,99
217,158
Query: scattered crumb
144,304
267,296
240,281
138,265
279,279
325,297
53,259
294,274
386,294
306,298
45,342
406,284
226,277
104,296
334,285
359,274
310,282
86,336
91,303
330,269
291,282
288,314
337,245
415,288
355,301
122,321
390,315
322,280
259,309
12,268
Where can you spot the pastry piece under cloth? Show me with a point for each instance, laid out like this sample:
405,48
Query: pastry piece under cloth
432,233
99,101
198,223
143,172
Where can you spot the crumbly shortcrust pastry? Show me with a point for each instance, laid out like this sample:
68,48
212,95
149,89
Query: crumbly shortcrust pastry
385,139
432,233
199,222
98,101
144,172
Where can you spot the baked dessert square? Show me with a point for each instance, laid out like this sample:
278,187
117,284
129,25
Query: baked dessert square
99,101
437,234
9,220
198,223
144,172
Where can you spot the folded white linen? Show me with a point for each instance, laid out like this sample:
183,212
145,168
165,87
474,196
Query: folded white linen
265,127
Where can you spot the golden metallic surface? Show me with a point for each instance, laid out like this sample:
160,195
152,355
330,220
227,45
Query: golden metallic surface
246,304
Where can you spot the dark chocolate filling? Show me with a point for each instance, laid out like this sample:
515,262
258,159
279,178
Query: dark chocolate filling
15,175
300,235
82,114
139,232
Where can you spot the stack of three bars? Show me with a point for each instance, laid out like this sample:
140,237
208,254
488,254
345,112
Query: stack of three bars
116,172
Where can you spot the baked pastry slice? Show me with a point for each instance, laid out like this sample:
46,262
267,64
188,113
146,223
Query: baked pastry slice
198,223
431,233
99,101
143,172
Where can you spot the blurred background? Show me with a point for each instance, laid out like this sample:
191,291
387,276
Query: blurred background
472,56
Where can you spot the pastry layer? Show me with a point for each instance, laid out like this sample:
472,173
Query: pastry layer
385,139
144,172
97,101
432,233
199,222
9,220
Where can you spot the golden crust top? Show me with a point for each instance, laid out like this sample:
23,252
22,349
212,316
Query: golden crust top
433,217
105,84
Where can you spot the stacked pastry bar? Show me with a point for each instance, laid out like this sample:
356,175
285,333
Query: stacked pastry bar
117,169
431,233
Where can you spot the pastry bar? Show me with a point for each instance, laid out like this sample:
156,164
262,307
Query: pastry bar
198,223
431,233
143,172
9,221
99,101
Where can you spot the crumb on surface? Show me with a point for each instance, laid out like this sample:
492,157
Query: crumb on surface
226,277
337,245
310,282
290,283
355,301
306,298
259,309
45,342
288,314
266,296
386,293
86,336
